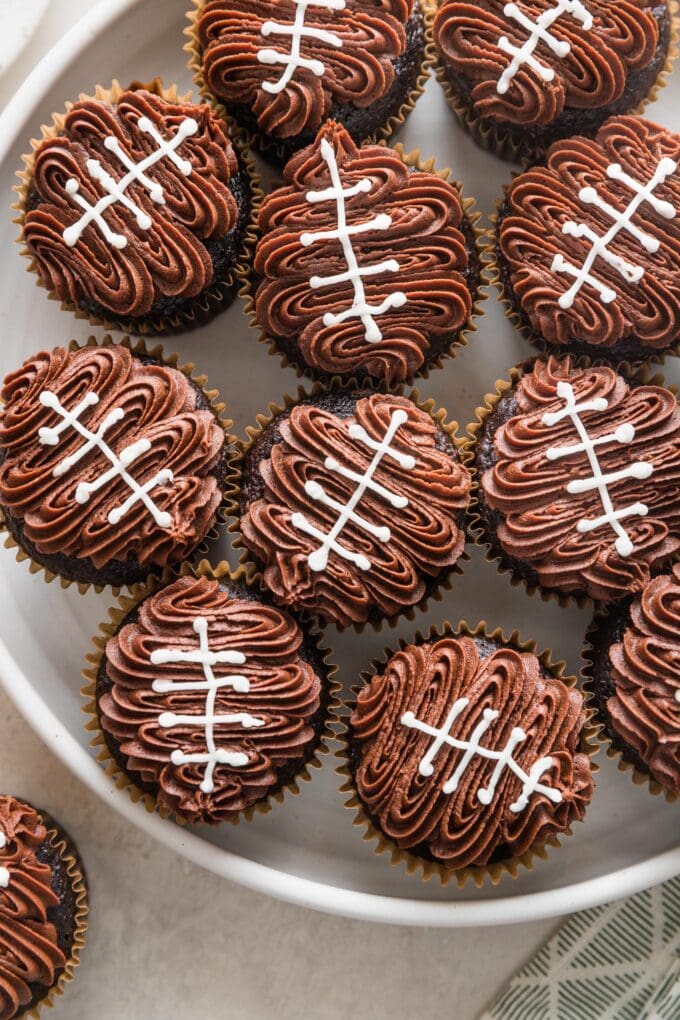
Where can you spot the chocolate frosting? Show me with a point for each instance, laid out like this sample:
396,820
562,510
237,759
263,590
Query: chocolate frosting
354,63
423,536
168,256
621,39
29,950
284,695
542,200
644,710
456,828
423,237
540,520
159,406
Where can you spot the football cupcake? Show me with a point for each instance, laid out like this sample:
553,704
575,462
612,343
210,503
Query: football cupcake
281,67
134,210
352,504
522,75
367,265
112,463
576,472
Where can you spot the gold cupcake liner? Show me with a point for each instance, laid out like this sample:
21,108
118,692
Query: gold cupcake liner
110,627
219,294
494,137
482,249
363,387
424,868
607,742
251,139
58,839
139,348
633,373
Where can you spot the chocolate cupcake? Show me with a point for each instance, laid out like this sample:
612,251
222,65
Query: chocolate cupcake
352,504
211,701
521,76
43,909
588,245
281,67
135,209
467,754
633,666
577,489
367,264
112,462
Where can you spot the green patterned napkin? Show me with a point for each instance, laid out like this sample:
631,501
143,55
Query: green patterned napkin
619,962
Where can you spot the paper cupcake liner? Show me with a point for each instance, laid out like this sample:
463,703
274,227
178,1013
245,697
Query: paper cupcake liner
496,138
59,839
110,627
275,151
218,296
482,250
248,561
494,553
423,867
139,348
602,621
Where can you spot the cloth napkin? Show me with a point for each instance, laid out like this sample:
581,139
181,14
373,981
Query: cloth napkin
617,962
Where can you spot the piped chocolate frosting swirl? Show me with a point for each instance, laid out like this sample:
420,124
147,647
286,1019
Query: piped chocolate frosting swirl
419,736
30,955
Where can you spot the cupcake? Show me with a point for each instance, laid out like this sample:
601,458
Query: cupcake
281,67
588,245
352,504
134,210
43,909
367,264
634,676
210,700
465,754
521,76
577,489
112,463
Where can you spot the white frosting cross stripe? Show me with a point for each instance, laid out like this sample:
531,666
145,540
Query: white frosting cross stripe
360,308
472,748
318,560
622,221
207,659
4,873
297,32
539,31
624,434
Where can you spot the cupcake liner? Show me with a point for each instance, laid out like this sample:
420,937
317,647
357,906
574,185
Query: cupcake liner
58,839
603,621
139,348
218,296
495,137
494,553
110,627
482,250
427,869
441,584
278,151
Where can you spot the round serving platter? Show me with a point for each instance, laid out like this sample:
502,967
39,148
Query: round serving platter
305,850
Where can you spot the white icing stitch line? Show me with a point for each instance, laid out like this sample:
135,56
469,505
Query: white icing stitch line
207,659
116,190
539,31
297,32
472,748
624,434
119,463
4,873
318,560
622,221
355,273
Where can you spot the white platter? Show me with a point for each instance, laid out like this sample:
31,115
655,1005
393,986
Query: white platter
307,850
